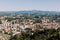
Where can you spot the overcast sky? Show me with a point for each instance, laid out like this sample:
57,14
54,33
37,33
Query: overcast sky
16,5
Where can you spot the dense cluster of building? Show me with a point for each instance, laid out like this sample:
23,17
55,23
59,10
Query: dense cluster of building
16,27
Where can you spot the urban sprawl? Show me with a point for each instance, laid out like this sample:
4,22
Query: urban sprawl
16,24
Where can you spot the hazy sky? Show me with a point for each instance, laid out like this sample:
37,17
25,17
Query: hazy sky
15,5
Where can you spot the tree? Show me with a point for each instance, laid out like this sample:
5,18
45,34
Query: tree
0,22
46,34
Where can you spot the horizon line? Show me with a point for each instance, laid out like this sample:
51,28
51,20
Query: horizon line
27,10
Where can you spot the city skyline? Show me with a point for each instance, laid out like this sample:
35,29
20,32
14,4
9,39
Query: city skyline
16,5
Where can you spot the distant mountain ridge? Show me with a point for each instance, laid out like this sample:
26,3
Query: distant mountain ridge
30,12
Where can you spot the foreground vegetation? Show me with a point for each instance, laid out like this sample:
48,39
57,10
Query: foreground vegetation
46,34
5,36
